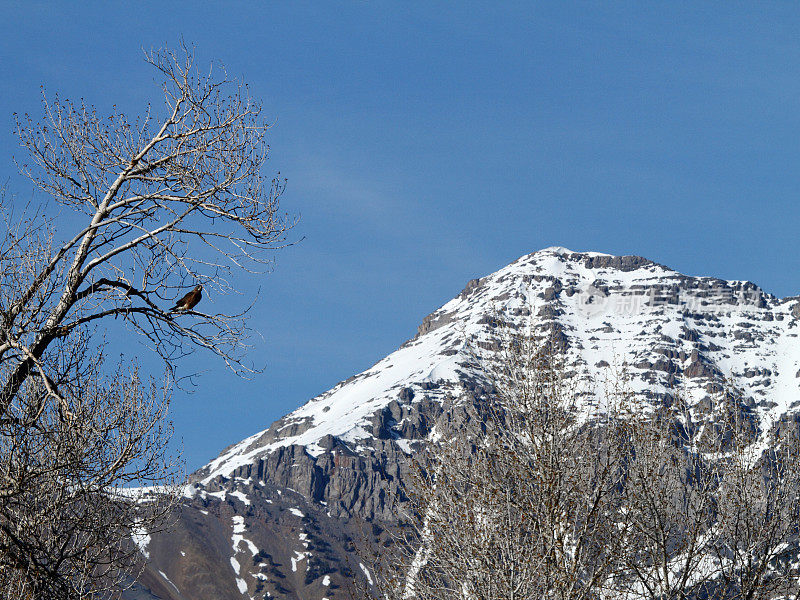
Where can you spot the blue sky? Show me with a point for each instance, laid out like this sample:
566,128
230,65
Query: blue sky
429,143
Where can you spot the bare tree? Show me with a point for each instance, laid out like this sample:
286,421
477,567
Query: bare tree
669,497
66,520
545,497
755,545
522,505
171,199
710,506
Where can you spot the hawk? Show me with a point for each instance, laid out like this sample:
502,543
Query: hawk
189,301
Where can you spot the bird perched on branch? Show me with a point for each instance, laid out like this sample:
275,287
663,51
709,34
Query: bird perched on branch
189,301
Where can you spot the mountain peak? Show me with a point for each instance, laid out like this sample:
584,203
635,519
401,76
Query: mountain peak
560,250
591,259
667,329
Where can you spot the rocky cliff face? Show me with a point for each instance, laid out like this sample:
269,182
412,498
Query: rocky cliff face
278,515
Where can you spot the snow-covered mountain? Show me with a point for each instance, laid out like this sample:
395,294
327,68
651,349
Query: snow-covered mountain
273,515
